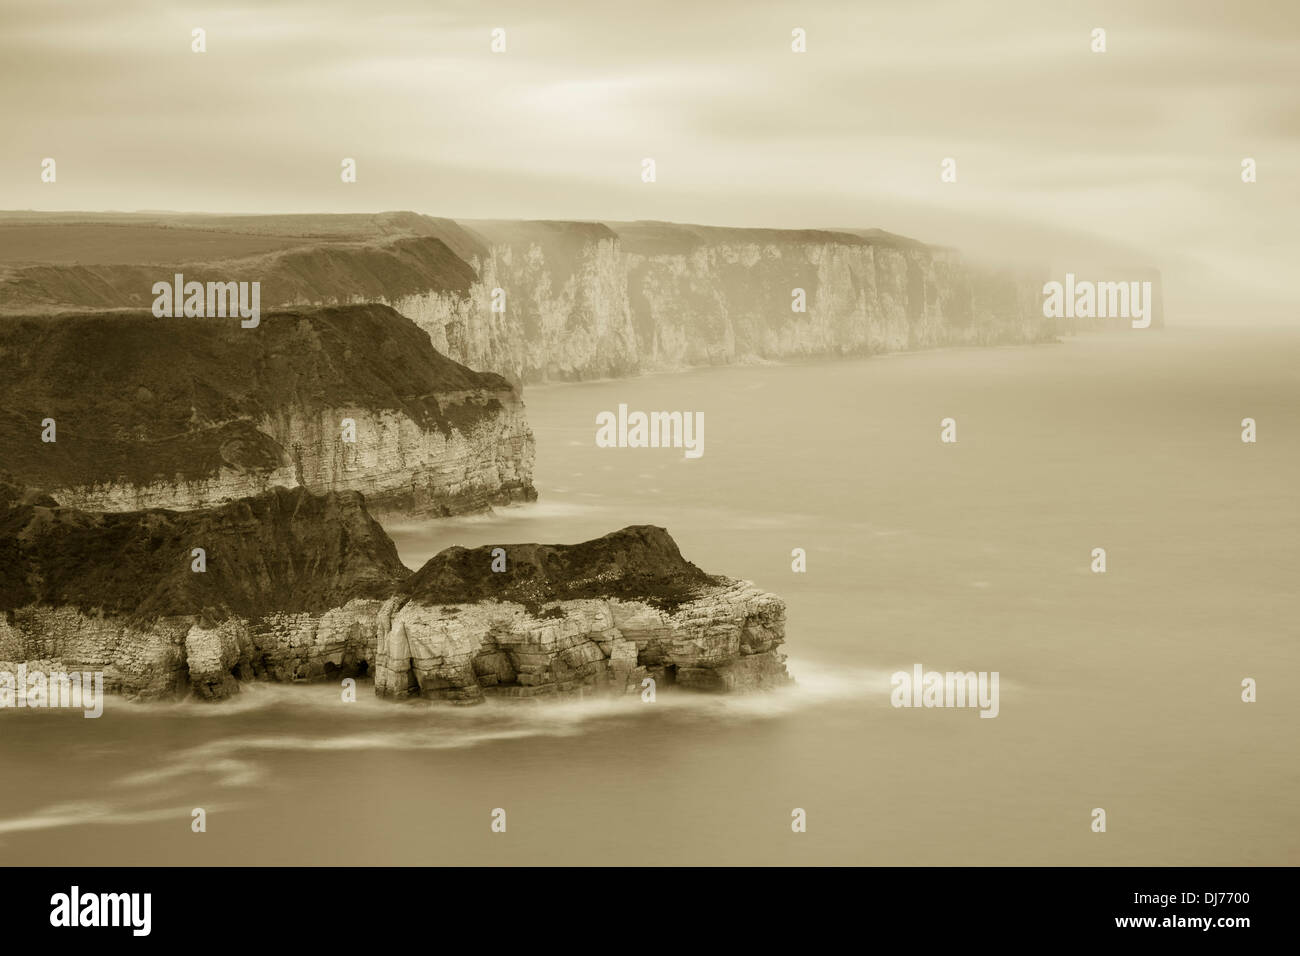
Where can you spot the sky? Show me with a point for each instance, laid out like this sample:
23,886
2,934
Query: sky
1127,159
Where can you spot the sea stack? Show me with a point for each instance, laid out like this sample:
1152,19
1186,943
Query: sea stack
557,619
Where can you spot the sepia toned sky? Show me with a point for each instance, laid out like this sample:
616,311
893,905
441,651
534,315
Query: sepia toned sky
1129,157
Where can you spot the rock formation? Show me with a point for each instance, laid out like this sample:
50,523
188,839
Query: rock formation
605,613
298,587
187,412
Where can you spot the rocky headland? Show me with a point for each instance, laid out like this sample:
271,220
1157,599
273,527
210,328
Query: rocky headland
303,587
123,411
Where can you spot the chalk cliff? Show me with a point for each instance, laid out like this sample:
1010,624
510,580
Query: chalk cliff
187,412
587,300
298,587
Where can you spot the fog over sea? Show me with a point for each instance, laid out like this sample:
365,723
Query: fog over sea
1119,690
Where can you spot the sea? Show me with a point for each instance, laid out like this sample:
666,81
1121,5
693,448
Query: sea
1120,691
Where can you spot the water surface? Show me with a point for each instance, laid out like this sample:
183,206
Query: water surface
1119,691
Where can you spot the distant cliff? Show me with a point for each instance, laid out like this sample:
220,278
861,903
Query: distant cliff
187,412
302,587
580,300
586,300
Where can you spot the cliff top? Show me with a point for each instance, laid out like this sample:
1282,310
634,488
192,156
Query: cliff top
83,266
638,563
285,550
140,398
102,238
288,550
651,237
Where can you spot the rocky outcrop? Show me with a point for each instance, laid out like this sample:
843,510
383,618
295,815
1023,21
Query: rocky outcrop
187,412
605,614
297,587
726,639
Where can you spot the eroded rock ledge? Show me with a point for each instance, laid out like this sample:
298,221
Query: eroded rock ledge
299,587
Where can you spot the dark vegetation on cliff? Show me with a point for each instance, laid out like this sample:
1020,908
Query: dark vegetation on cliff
141,399
81,261
104,238
288,550
285,550
638,563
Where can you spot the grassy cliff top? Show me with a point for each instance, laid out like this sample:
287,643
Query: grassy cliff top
83,271
285,550
96,238
638,563
290,551
649,237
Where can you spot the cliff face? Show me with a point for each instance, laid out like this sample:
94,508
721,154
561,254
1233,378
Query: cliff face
186,412
566,307
726,639
299,587
585,300
863,296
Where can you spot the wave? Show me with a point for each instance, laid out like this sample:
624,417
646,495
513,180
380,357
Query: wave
81,814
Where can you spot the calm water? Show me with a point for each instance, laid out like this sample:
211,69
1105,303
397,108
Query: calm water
1119,691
